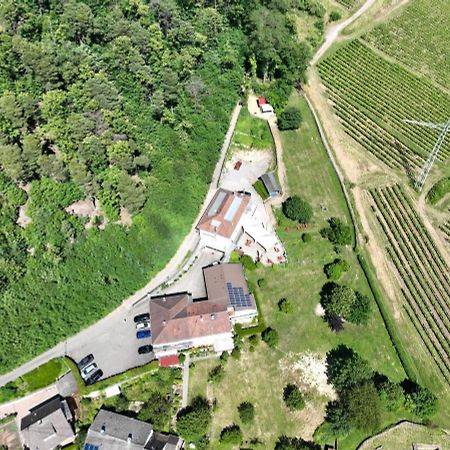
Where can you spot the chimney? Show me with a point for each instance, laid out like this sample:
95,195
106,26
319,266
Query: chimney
213,316
201,318
129,438
103,429
164,322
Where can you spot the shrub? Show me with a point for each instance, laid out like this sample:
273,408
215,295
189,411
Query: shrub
231,435
360,310
270,337
334,270
293,443
337,417
156,410
295,208
306,237
391,395
248,262
421,401
284,305
224,356
236,353
182,358
290,118
293,397
262,283
194,420
253,339
364,407
246,412
319,25
216,374
337,233
335,16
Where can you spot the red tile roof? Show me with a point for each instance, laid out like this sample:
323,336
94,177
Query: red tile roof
224,212
262,101
168,361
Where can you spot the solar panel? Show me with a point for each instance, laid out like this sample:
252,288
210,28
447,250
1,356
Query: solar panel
90,447
237,297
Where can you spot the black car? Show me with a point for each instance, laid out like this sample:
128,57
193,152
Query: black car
142,317
94,377
145,349
85,361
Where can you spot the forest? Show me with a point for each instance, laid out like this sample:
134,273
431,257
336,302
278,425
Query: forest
112,115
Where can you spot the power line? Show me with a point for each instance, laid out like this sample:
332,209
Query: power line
444,127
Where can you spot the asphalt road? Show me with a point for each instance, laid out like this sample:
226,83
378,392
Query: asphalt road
112,340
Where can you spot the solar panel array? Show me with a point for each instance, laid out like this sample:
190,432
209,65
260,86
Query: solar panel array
237,297
90,447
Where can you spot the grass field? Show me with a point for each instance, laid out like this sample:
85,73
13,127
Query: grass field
260,376
251,133
418,37
373,97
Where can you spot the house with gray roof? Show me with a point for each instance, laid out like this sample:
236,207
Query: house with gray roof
112,431
271,184
48,426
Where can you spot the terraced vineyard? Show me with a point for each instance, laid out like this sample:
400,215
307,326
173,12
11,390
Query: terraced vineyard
445,228
422,271
348,3
373,97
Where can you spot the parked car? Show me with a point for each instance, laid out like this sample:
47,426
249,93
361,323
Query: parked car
142,317
85,361
145,349
94,377
143,334
142,326
88,369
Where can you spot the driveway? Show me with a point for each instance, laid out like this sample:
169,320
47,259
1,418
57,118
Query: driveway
193,281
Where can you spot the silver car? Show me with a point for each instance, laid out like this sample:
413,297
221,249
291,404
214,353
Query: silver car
88,369
143,326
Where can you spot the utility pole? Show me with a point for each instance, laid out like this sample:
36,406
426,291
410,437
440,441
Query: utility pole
444,127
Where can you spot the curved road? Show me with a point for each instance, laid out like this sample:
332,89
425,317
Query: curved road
88,335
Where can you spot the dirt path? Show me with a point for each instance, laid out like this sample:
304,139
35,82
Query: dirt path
333,31
170,271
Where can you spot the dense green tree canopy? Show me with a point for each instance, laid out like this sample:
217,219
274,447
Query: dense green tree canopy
297,209
364,407
194,420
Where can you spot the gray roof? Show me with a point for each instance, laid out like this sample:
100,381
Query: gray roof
111,431
271,183
47,425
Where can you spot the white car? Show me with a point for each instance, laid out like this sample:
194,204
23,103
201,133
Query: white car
88,369
143,326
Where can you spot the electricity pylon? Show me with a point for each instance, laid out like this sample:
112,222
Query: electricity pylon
444,127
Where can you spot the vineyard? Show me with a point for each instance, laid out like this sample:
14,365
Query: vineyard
445,228
421,269
373,97
348,3
418,37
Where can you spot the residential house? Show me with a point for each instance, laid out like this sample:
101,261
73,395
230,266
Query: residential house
179,322
112,431
48,425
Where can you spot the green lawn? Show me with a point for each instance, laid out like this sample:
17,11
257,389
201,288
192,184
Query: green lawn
260,376
251,133
261,189
37,379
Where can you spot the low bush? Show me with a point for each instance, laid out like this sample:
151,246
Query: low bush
270,337
285,306
334,16
262,283
306,237
216,374
337,233
290,118
246,412
334,270
231,435
293,398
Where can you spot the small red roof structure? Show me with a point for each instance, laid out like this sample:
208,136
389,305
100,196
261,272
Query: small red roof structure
169,361
238,165
261,101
